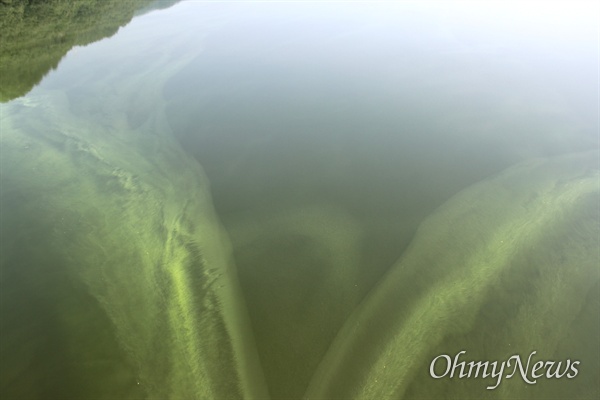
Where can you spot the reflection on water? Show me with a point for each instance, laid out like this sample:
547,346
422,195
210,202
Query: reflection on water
276,200
36,35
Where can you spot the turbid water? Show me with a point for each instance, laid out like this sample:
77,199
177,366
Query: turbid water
304,201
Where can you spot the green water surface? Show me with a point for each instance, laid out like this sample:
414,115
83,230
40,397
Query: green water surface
283,200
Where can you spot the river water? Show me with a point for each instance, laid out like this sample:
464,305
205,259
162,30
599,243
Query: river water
307,200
